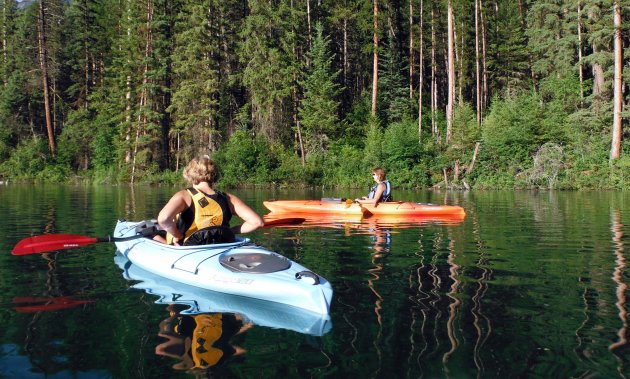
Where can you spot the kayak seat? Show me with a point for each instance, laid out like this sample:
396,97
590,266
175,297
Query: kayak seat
255,263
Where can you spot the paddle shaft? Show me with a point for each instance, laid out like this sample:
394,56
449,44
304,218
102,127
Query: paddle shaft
52,242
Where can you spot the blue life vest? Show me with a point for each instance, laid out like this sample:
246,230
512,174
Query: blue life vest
387,194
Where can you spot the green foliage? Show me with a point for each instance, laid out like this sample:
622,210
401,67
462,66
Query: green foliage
373,145
344,166
243,160
406,160
74,141
135,90
548,164
393,99
466,133
30,161
509,133
318,109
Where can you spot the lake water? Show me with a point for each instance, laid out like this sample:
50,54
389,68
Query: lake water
530,284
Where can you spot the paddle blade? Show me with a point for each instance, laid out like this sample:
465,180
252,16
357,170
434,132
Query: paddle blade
349,202
51,242
283,222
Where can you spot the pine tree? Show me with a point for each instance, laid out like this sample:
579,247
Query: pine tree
269,63
553,37
319,107
196,88
395,104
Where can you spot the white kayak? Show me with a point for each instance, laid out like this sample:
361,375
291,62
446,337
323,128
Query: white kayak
238,268
198,300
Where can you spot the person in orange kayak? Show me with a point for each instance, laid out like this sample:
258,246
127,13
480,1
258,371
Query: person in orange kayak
380,192
200,214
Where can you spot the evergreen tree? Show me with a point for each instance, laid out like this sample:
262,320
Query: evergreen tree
269,64
318,109
553,37
196,89
395,104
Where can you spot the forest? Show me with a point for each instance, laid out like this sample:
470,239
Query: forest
458,94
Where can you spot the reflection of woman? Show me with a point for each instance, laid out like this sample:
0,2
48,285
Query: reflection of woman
200,341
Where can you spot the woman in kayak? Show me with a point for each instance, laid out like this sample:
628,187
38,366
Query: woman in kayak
200,214
382,190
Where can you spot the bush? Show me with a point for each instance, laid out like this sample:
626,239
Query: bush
27,160
344,166
509,134
244,160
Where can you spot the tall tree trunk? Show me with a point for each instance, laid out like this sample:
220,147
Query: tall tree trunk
433,76
144,94
5,42
296,102
484,61
615,148
451,72
477,64
43,61
411,60
460,59
128,93
580,61
165,121
375,60
346,67
421,72
308,24
598,70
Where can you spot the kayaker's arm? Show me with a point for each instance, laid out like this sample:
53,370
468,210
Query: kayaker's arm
252,220
379,192
166,218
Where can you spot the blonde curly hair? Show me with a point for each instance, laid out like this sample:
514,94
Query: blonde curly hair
201,169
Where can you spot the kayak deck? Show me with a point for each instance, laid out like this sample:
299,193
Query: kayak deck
313,207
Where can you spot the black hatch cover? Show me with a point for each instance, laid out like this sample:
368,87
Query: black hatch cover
255,263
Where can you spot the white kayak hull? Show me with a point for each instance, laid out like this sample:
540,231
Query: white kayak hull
198,300
200,266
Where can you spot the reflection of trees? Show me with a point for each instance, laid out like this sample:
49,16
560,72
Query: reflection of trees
443,323
481,322
380,251
621,287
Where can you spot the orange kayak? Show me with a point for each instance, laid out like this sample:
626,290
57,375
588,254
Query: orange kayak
394,209
314,207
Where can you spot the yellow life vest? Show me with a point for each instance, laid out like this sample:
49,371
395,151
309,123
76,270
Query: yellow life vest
204,212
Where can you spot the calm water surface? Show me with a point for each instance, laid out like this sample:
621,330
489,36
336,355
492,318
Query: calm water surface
530,284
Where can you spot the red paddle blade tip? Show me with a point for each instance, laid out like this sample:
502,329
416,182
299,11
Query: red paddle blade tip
51,242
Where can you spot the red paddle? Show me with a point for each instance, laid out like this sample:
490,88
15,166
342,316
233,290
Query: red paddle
52,242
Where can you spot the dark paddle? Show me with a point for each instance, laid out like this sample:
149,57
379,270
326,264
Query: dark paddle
52,242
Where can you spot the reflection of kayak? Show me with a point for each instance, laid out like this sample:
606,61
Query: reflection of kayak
199,300
359,223
410,209
238,268
395,208
313,207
